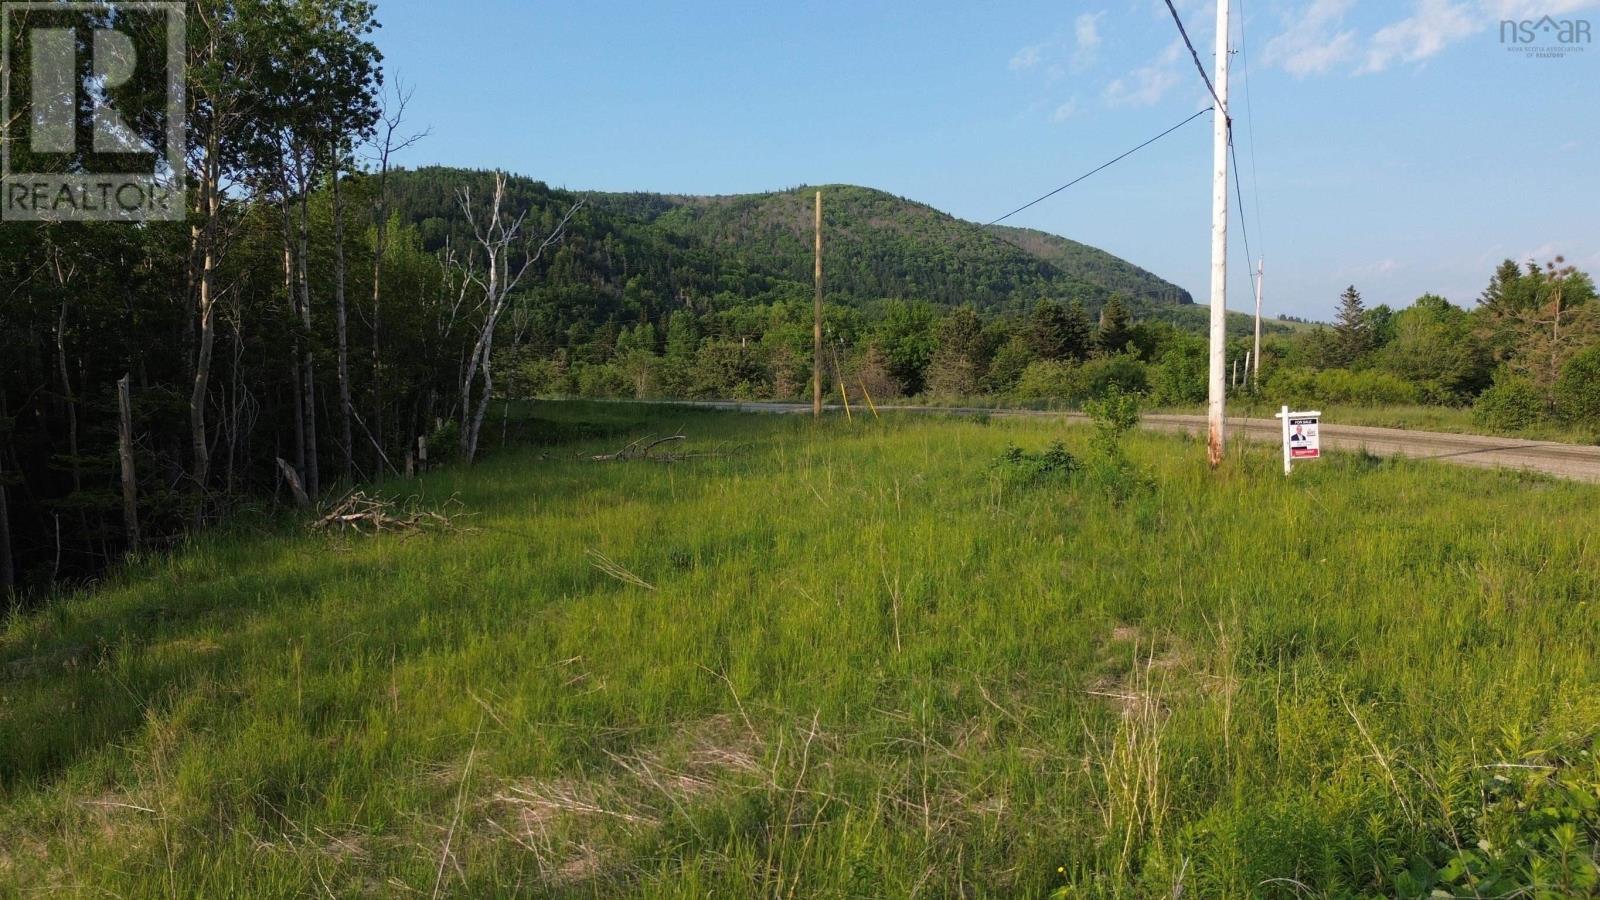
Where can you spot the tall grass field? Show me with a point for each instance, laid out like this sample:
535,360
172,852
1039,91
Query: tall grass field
870,659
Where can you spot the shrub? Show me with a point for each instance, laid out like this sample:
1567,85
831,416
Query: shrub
1304,387
1512,403
1018,467
1179,378
602,380
1535,825
1578,388
1121,372
1051,379
1070,382
1114,414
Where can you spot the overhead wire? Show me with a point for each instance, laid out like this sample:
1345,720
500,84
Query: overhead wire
1184,33
1097,169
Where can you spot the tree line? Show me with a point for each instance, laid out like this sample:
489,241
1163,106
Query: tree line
1527,353
292,333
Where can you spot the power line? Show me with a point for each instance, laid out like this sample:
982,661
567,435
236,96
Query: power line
1099,168
1198,66
1238,192
1250,123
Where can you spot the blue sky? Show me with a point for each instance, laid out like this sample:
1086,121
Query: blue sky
1396,145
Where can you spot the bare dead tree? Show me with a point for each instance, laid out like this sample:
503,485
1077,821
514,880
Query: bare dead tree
341,323
389,141
498,235
63,277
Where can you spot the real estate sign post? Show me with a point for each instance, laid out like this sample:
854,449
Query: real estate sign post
1300,439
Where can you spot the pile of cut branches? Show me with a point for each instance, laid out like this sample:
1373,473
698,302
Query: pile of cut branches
362,513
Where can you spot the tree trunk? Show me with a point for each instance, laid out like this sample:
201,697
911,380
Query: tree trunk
69,398
379,246
313,481
291,297
130,484
483,401
342,327
208,329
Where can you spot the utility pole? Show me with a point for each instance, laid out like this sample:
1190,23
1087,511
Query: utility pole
1261,272
1216,408
816,324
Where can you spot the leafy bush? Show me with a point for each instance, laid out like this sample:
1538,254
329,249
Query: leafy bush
444,442
603,380
1578,388
1070,382
1121,372
1051,379
1533,833
1114,414
1305,387
1017,467
1179,378
1512,403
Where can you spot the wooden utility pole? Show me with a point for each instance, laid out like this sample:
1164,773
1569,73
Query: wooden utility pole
130,484
816,323
1218,382
1261,272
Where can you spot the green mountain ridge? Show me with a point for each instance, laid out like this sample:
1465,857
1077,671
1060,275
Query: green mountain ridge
693,250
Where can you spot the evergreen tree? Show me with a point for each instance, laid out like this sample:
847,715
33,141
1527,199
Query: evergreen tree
1352,332
1079,334
958,355
1507,292
1115,326
1058,332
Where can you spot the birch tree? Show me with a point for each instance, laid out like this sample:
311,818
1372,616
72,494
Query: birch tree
388,142
499,236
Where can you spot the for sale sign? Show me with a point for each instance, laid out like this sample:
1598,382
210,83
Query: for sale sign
1300,440
1303,442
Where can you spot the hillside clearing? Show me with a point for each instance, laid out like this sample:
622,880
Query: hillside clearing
841,661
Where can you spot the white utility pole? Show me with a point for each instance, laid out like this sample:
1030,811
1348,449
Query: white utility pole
1261,271
1219,246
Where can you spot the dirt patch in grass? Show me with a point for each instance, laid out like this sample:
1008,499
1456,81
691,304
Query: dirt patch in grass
575,825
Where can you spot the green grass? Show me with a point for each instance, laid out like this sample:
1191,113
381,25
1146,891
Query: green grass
830,661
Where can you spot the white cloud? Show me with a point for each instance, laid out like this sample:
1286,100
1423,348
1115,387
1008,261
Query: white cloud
1146,85
1055,56
1387,266
1315,42
1087,31
1534,9
1434,25
1065,111
1027,58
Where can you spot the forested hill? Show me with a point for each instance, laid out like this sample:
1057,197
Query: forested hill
1094,265
716,251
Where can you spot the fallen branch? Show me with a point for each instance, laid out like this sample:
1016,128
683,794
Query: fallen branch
364,514
646,448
